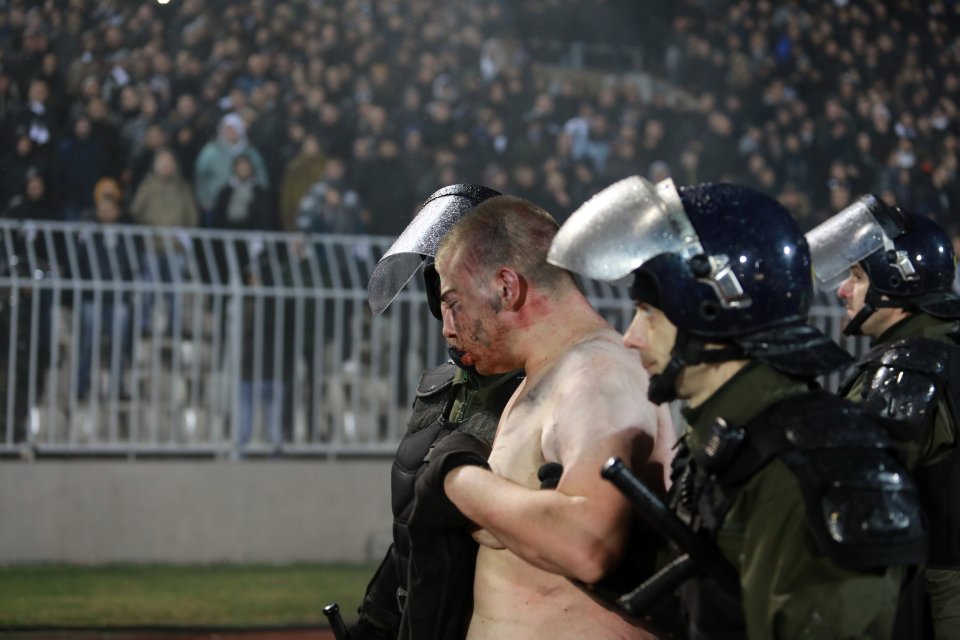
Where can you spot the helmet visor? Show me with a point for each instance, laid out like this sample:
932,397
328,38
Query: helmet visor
844,240
419,240
623,226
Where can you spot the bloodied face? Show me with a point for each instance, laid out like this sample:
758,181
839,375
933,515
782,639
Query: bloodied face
472,313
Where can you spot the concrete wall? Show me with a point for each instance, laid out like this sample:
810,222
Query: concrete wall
93,512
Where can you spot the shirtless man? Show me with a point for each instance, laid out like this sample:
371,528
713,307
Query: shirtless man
584,399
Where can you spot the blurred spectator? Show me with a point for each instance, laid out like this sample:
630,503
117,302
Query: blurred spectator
267,354
38,118
16,164
81,161
33,203
103,255
186,145
330,205
164,199
243,204
301,173
214,164
140,111
37,261
155,137
385,190
10,102
556,197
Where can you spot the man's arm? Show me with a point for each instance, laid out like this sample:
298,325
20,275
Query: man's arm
580,529
578,536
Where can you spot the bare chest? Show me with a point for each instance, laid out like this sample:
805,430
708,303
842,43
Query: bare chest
518,449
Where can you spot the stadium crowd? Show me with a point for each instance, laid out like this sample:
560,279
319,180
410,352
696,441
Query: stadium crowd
339,117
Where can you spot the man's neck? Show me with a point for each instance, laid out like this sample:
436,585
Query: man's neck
553,326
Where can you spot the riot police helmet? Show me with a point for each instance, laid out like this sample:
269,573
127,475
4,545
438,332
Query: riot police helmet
726,264
907,257
417,245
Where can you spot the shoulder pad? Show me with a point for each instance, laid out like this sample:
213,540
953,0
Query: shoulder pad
824,421
922,355
436,380
903,401
902,389
863,509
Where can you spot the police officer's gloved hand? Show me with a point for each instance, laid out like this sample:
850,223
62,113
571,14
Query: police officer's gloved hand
431,508
364,629
549,475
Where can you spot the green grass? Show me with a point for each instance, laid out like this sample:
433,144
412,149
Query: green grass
57,596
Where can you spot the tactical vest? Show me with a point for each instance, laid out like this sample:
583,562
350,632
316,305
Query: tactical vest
904,382
428,423
862,508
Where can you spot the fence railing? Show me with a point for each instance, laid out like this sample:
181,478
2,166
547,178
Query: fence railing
138,341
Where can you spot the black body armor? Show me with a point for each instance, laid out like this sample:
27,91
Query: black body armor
904,383
863,511
428,423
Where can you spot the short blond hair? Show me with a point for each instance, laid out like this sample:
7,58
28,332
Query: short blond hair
507,231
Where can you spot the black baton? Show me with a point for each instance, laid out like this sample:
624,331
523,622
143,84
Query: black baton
332,611
700,554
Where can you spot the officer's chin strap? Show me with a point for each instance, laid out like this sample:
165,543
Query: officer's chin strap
687,350
871,302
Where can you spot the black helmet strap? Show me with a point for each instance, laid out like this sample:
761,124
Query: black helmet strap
872,301
687,349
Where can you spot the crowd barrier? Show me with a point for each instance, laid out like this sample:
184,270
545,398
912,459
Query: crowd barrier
132,341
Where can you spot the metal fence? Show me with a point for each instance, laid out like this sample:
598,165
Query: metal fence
136,341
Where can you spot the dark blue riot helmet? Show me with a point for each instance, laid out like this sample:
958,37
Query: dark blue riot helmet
750,273
727,265
908,258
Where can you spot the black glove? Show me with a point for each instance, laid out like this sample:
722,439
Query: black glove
431,507
549,475
365,630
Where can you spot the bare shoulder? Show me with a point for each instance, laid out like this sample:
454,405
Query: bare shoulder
599,398
601,372
601,359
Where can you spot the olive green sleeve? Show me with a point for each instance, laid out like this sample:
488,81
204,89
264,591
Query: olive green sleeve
789,590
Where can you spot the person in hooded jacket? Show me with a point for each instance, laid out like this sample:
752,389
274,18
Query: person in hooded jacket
214,164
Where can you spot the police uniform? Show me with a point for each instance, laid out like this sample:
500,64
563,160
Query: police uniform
917,353
910,378
765,508
428,587
448,400
798,492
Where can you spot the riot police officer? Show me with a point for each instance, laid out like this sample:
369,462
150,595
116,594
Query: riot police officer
899,270
799,491
450,399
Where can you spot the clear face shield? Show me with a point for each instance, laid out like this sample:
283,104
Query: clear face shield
848,237
630,222
417,242
623,226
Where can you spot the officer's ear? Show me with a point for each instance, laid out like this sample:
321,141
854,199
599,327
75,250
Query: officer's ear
511,289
